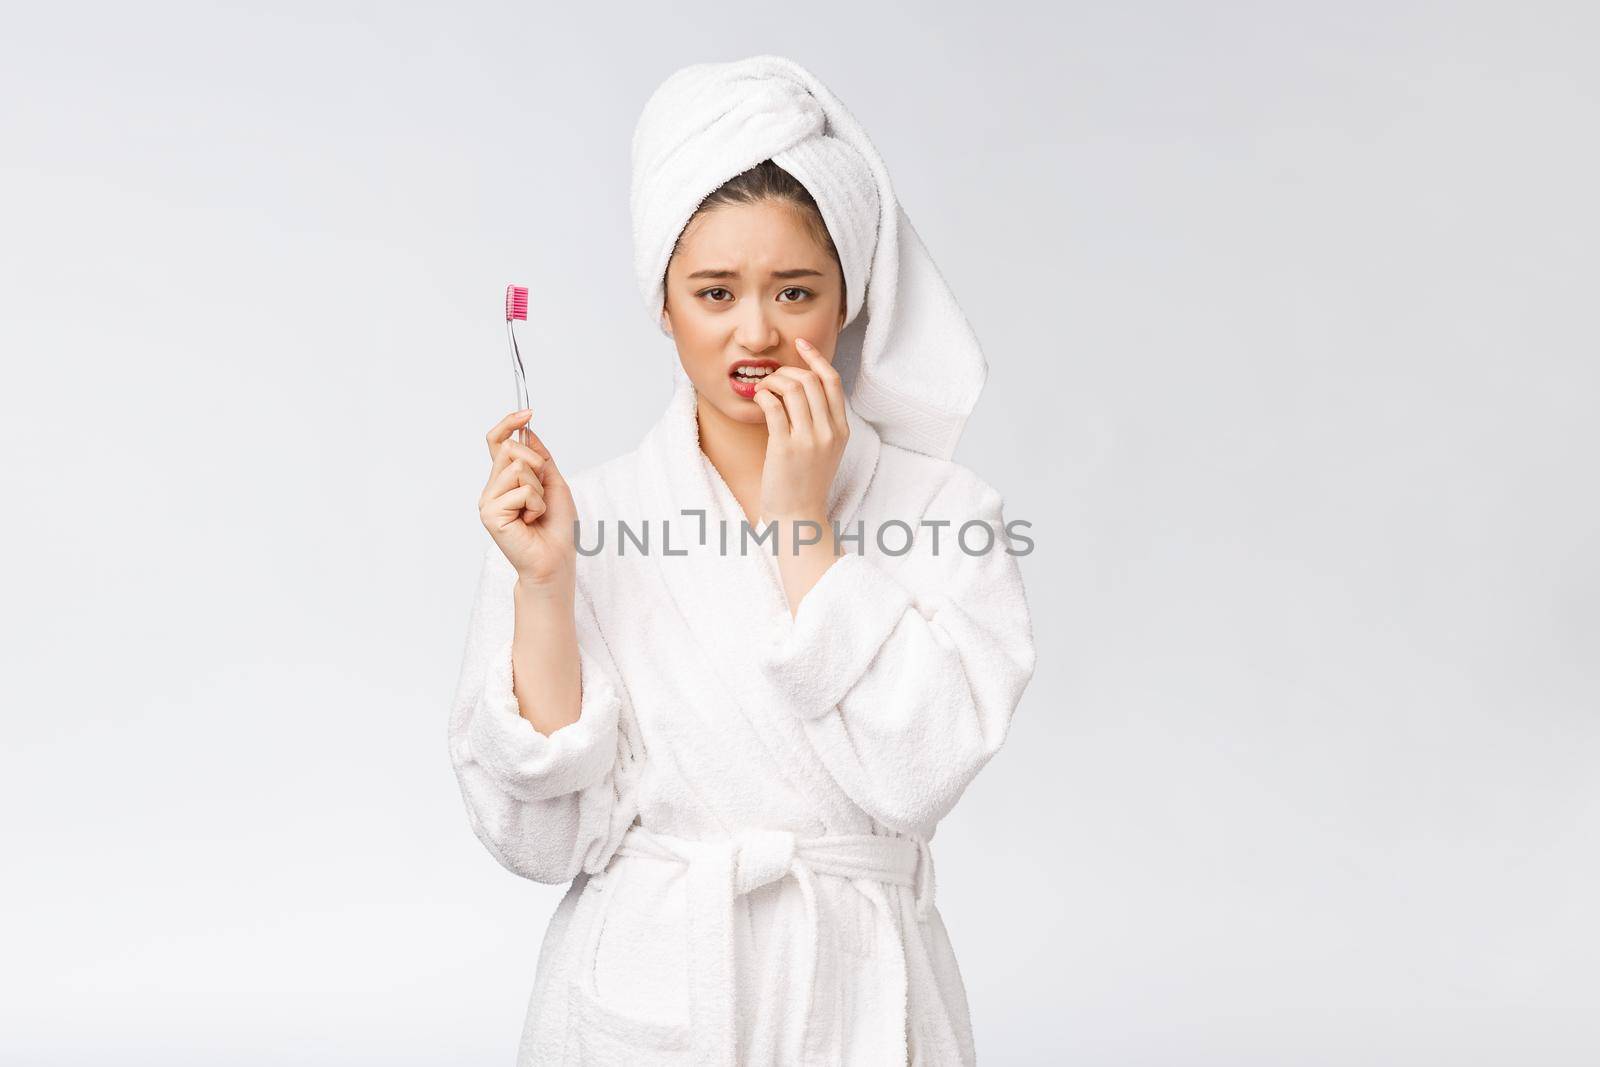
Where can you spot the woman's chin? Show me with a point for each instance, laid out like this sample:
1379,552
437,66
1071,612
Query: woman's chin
734,407
745,411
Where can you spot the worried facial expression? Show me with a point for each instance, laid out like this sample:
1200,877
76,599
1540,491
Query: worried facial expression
745,282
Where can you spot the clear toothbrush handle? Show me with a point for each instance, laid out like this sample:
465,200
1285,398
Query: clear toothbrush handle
521,376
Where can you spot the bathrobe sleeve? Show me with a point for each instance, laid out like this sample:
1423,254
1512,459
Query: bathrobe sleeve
906,682
544,807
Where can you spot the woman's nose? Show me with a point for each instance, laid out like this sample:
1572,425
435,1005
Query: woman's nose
754,331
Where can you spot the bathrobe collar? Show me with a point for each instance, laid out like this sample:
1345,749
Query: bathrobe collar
682,477
690,480
734,604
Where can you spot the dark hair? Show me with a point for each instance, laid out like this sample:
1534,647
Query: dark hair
768,181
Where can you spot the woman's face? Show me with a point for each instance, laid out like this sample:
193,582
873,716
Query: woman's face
746,280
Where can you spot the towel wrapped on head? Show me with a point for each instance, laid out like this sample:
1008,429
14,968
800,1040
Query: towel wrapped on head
910,358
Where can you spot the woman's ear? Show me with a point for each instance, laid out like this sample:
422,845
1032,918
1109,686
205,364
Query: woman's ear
666,321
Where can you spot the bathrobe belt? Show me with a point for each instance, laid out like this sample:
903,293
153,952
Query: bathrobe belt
721,870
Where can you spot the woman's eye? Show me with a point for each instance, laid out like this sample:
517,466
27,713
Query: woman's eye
796,289
715,289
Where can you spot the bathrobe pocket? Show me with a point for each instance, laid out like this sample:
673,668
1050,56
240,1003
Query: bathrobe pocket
629,991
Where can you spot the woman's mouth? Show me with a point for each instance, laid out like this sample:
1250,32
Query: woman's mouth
747,374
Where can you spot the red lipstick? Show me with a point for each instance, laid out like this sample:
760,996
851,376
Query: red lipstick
744,384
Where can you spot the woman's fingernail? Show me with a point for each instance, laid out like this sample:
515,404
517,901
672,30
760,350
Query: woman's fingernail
802,342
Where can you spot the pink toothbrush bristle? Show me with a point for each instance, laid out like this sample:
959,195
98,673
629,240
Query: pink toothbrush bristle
516,302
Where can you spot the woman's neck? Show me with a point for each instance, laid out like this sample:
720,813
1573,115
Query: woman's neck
737,450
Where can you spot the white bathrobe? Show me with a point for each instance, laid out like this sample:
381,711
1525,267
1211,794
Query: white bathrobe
745,803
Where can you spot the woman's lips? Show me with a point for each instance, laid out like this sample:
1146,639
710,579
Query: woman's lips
746,388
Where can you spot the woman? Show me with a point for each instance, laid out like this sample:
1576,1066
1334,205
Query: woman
736,757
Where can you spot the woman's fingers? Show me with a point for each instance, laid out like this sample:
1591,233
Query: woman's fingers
785,382
537,445
515,465
504,443
817,402
511,449
832,385
807,402
512,506
547,469
505,428
772,408
517,472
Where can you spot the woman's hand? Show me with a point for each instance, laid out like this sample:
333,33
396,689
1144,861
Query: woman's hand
806,433
527,506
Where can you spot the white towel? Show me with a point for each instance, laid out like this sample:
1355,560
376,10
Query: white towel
912,361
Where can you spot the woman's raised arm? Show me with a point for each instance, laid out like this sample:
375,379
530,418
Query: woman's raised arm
535,734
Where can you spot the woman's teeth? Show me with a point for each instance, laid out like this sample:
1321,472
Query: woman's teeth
751,374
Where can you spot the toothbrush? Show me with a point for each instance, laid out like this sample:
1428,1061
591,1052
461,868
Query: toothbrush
517,308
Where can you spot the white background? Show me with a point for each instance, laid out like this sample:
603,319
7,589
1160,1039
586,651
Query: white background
1290,311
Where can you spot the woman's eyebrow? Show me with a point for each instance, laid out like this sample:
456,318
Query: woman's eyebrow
799,272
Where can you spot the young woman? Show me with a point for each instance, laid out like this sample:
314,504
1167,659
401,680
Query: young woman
737,751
